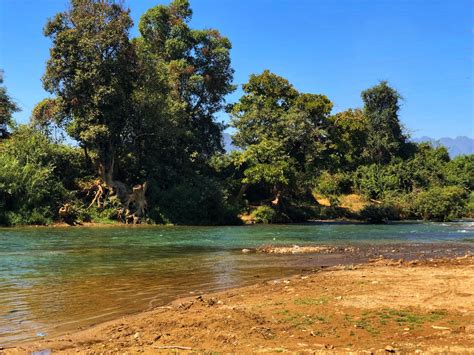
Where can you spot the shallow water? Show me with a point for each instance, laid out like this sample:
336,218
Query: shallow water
54,280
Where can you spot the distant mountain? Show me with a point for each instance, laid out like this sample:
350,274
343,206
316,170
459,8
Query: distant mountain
456,146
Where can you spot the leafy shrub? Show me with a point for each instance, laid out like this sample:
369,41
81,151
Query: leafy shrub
197,201
374,180
264,214
379,213
470,206
441,203
29,194
332,212
459,171
333,184
302,213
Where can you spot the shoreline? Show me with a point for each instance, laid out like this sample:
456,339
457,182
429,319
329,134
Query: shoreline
310,321
331,221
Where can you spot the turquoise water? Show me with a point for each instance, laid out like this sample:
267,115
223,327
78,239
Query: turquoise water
54,280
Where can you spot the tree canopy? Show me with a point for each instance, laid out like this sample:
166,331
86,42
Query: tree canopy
7,108
130,133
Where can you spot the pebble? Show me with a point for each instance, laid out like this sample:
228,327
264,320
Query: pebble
440,328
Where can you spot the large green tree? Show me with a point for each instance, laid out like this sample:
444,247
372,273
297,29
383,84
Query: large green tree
91,72
348,132
7,108
184,75
385,137
283,133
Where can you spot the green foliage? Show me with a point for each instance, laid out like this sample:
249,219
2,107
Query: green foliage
460,171
144,110
348,130
184,76
29,192
28,145
441,203
90,70
379,213
35,174
196,201
7,108
426,168
374,180
470,205
264,214
281,131
385,138
328,184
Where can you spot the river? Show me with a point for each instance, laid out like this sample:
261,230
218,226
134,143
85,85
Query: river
54,280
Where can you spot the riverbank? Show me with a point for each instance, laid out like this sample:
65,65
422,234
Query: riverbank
385,305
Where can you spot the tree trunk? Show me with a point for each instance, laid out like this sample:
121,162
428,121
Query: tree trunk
133,201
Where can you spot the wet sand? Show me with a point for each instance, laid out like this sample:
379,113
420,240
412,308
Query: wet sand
385,305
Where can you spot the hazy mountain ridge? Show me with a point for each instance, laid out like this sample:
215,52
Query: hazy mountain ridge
456,146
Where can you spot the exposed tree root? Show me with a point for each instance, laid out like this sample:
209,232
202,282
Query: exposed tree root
99,195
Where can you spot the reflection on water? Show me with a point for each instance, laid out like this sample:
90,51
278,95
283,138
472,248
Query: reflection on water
54,280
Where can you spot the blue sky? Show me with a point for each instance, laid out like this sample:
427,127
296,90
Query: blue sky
338,48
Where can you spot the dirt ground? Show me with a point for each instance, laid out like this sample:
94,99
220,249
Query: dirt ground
385,306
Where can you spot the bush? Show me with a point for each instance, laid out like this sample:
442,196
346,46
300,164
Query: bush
441,203
373,180
379,213
333,184
302,213
470,206
460,170
29,194
197,201
264,214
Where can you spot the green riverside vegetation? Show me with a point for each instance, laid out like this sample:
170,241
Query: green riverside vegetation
129,134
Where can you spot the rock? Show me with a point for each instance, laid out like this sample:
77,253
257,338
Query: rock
211,301
245,250
440,328
389,349
136,335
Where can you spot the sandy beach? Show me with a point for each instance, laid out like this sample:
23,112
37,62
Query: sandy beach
383,306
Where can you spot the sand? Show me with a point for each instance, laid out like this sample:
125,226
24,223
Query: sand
380,307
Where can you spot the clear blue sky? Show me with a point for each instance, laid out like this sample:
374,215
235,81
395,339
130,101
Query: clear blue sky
423,48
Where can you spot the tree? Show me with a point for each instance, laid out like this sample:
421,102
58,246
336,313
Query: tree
460,171
349,137
46,117
385,138
91,71
282,131
7,108
184,77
